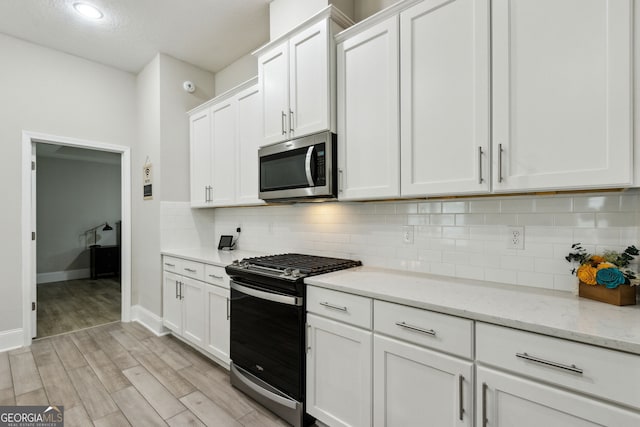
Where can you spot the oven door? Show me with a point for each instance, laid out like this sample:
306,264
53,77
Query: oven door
267,336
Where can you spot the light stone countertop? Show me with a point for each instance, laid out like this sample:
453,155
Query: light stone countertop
210,255
554,313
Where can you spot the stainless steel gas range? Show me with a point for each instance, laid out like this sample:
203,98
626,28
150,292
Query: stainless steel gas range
268,313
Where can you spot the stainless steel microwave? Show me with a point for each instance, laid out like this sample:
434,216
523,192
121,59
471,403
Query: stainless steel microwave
303,168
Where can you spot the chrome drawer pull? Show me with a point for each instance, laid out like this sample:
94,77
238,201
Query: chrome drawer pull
480,153
190,270
213,276
416,328
335,307
570,368
485,420
500,151
460,397
169,265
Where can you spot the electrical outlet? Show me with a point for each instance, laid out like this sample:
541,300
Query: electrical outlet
407,234
515,237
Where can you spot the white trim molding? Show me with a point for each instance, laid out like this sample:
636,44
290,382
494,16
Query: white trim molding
59,276
11,339
148,320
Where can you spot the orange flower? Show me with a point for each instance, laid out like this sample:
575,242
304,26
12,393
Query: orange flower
605,265
596,259
587,274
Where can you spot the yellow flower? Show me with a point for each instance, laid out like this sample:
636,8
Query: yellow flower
596,259
605,265
587,274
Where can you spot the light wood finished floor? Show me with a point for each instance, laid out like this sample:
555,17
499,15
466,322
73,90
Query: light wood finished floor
121,374
77,304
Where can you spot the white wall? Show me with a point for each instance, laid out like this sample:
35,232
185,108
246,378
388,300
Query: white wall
163,137
460,238
74,196
365,8
240,71
47,91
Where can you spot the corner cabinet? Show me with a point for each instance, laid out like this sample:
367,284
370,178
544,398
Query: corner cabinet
225,135
562,97
368,103
297,78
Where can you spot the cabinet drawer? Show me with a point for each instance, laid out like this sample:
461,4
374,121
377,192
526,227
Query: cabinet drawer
347,308
435,330
216,276
607,374
172,264
191,269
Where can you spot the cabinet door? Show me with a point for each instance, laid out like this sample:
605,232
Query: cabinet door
368,104
444,63
561,97
193,320
171,303
309,94
223,118
217,312
273,74
507,400
413,384
200,139
338,373
248,140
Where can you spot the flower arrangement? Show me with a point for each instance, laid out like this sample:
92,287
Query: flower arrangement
609,269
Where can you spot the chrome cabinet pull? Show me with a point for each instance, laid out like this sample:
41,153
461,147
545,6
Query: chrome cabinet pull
340,179
500,151
282,119
206,193
570,368
228,309
484,405
181,293
177,289
210,193
307,338
190,270
213,276
290,120
334,307
480,153
460,396
169,265
416,328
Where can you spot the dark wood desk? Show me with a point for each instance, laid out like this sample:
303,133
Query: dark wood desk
105,261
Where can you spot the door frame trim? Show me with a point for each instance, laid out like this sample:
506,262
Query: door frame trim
28,275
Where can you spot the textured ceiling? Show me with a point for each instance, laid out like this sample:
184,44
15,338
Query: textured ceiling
208,33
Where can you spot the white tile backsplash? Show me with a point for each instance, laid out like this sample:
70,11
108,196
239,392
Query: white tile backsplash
466,239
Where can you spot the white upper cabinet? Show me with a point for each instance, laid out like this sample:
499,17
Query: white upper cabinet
368,103
200,141
562,94
444,75
223,117
296,74
249,137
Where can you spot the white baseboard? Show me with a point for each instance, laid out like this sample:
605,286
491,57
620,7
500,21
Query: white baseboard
13,338
59,276
148,320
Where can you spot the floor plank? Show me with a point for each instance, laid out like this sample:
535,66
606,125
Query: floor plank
262,418
35,397
68,352
167,376
5,371
76,417
85,342
94,396
109,374
24,372
54,377
154,392
185,419
113,420
112,348
207,411
137,410
171,357
7,398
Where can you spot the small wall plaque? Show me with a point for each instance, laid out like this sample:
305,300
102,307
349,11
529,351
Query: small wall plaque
147,178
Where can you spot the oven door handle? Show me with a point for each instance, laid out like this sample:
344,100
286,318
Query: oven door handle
289,403
269,296
307,166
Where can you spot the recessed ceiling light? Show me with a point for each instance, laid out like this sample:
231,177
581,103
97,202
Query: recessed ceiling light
88,11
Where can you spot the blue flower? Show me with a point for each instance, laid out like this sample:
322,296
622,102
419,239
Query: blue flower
610,277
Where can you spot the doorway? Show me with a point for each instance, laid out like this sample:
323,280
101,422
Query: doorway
94,261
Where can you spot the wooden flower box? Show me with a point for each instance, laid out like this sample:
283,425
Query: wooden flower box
622,295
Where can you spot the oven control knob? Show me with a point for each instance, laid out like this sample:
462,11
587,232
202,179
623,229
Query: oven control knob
244,264
288,271
295,273
235,262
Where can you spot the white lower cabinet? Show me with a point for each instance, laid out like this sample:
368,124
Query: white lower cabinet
171,302
508,400
183,311
217,323
338,372
414,386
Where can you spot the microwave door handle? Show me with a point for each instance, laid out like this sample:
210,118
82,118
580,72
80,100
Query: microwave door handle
307,166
